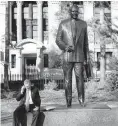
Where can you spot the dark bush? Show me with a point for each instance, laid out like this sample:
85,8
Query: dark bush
113,64
112,81
112,77
8,94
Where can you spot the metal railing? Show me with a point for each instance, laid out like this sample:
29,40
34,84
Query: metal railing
40,79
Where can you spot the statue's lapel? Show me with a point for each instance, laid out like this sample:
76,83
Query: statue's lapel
70,30
79,29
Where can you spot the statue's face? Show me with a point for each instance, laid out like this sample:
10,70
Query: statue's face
74,12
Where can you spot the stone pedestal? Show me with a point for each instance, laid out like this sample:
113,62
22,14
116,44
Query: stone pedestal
77,116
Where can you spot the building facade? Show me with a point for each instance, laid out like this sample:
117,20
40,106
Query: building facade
34,24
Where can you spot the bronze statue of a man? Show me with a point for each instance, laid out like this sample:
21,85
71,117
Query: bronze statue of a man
72,39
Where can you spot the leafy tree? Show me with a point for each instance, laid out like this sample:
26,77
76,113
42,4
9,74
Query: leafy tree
106,33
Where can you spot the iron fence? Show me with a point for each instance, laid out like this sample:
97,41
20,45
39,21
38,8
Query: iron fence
38,79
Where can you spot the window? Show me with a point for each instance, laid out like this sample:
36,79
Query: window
26,28
13,61
107,11
45,20
27,22
34,22
14,22
35,33
108,55
35,11
107,58
31,61
98,60
45,60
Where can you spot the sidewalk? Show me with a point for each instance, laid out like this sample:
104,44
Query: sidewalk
96,114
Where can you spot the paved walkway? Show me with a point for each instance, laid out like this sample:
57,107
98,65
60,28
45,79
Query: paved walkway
101,112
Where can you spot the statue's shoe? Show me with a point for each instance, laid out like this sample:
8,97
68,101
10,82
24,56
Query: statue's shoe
68,106
68,103
81,103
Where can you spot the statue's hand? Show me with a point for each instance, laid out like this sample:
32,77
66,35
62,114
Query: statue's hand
85,62
70,48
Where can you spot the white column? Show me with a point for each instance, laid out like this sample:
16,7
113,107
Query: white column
39,60
88,10
53,22
10,20
19,21
88,15
40,21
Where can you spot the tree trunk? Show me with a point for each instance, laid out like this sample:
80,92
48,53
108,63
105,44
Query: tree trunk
7,39
102,50
102,62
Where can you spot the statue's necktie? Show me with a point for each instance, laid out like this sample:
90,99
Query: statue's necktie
74,30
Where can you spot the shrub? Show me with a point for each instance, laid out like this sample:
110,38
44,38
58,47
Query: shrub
112,81
52,85
113,64
8,95
112,77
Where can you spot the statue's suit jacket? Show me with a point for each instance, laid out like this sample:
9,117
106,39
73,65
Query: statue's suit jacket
65,38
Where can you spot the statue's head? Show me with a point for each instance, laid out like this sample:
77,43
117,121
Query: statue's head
74,11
